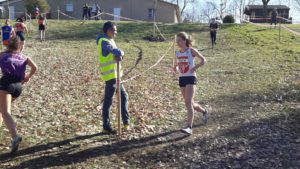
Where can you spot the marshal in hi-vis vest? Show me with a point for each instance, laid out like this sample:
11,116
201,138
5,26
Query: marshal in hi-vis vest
108,64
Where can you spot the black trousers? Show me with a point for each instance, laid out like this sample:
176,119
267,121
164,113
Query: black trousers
274,21
213,36
110,90
85,16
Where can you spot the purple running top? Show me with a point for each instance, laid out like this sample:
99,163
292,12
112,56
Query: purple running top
13,64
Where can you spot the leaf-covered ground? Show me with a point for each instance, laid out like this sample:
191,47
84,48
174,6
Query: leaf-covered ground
251,86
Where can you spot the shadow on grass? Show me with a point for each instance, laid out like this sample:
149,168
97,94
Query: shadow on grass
270,142
44,147
261,30
280,93
72,154
267,143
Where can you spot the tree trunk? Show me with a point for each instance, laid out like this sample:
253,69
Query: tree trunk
265,3
183,8
265,10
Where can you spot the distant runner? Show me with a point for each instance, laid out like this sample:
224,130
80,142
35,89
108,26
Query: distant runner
274,17
85,9
20,29
214,27
37,11
7,33
42,27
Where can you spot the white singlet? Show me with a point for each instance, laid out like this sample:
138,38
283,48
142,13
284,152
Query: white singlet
185,62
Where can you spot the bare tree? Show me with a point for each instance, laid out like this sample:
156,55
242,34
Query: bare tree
237,7
251,2
207,11
241,9
241,4
220,8
297,2
182,4
232,8
223,6
265,4
191,16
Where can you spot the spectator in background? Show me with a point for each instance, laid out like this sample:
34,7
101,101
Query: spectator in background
37,11
7,33
85,12
90,12
97,12
214,26
274,17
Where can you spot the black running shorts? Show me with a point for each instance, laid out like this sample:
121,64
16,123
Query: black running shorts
188,80
12,85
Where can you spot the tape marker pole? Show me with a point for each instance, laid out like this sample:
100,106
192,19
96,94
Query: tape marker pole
119,98
174,51
30,21
279,38
58,13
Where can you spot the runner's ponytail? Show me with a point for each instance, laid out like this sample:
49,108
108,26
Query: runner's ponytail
187,38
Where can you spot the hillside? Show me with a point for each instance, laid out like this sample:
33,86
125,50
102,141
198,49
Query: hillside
251,86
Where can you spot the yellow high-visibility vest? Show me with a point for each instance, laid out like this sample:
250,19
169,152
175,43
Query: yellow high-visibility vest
108,64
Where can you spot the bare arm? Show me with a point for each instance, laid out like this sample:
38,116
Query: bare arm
26,30
197,54
33,67
174,60
13,33
175,65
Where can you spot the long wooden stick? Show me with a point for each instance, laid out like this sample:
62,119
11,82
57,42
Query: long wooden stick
58,13
279,34
119,98
174,51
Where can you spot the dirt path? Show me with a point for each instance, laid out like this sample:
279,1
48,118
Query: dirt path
225,142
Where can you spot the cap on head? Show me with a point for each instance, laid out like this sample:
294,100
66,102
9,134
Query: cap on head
108,25
19,20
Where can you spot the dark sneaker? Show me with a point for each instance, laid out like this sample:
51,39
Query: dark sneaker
108,131
15,144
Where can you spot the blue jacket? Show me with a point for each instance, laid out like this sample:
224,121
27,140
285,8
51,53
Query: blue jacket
107,47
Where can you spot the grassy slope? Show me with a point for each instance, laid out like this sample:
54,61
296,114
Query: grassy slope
250,84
